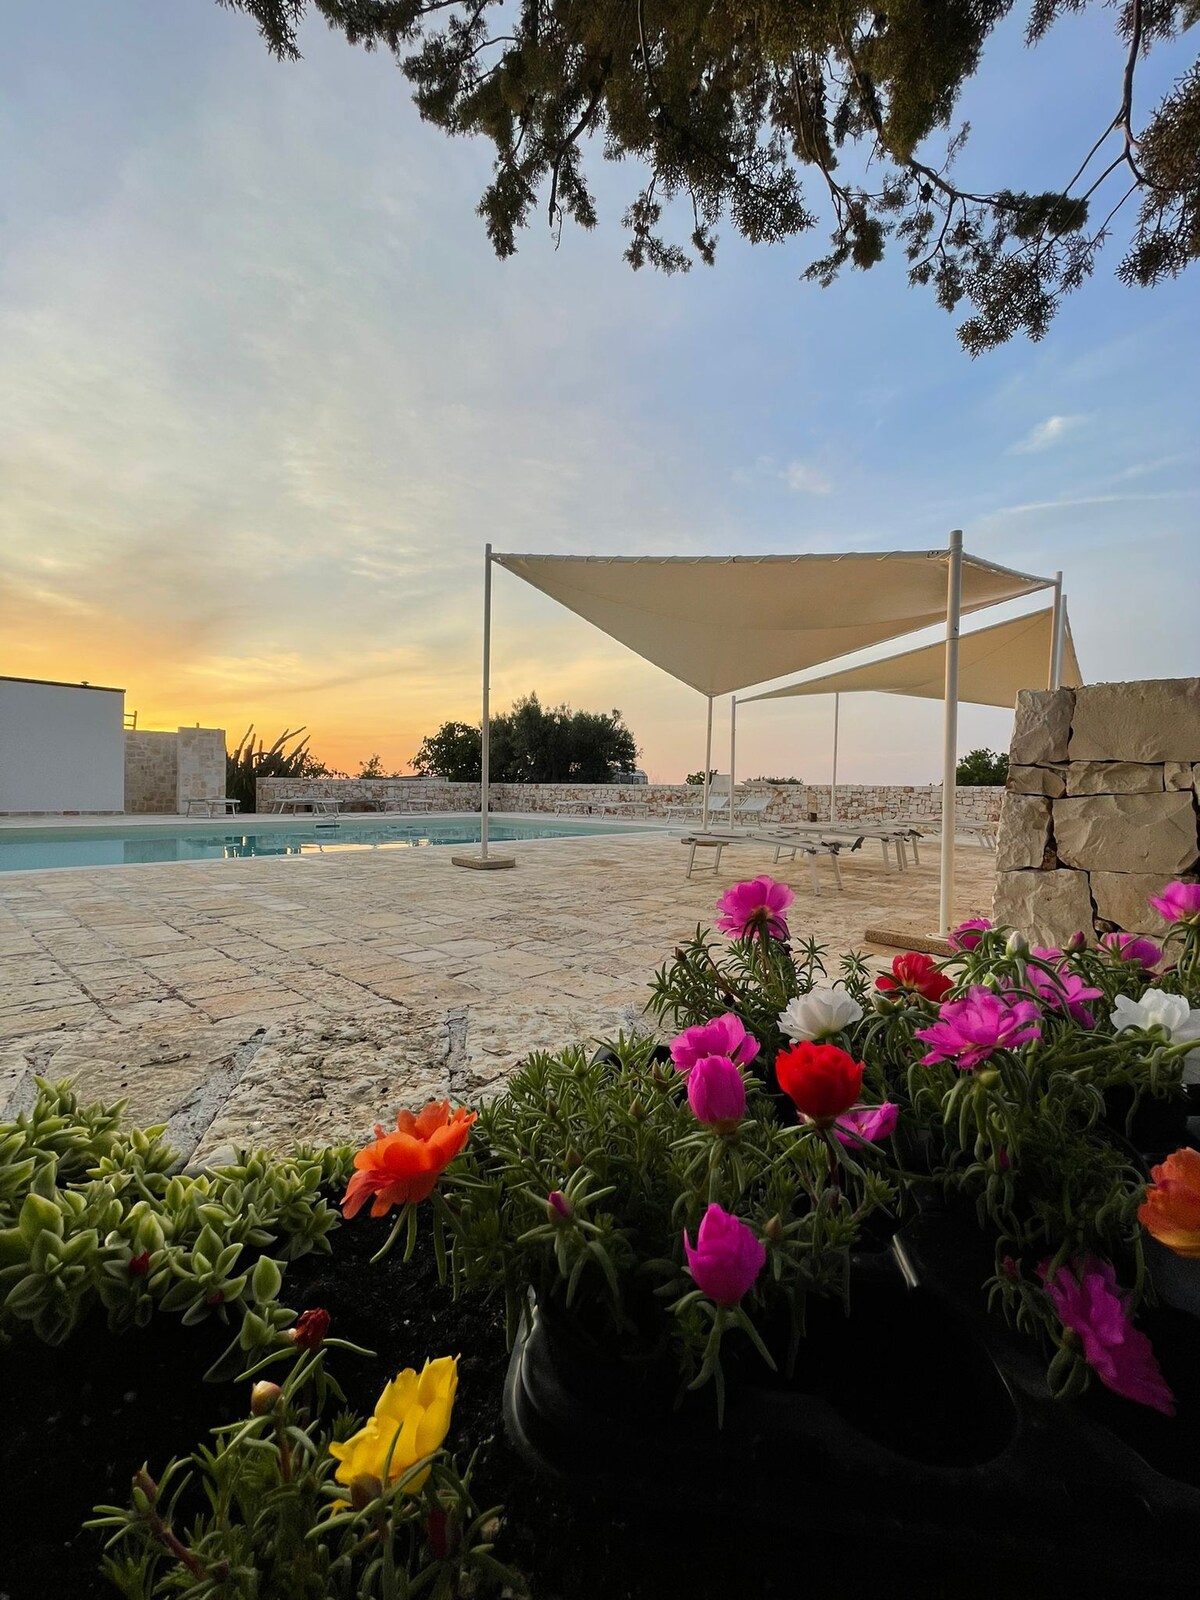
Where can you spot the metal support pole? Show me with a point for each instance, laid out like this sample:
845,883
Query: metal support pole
837,701
732,752
950,732
1060,644
485,726
707,766
1054,671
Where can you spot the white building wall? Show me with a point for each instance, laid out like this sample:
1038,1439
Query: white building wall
62,747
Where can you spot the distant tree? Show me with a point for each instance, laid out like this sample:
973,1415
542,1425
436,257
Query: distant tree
248,762
727,108
765,779
372,767
697,778
533,744
453,753
982,766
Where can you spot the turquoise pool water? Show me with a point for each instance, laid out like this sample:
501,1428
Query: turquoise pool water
26,849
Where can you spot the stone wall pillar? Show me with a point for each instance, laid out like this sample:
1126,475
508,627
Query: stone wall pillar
1102,807
200,771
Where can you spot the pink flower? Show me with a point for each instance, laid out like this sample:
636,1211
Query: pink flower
968,934
869,1122
758,906
1128,947
723,1036
972,1028
716,1092
1064,991
558,1207
1119,1354
1047,953
727,1257
1179,902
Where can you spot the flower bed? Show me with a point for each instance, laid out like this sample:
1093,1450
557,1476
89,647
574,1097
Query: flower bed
918,1252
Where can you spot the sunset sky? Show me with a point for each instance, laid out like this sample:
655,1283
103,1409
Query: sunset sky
265,392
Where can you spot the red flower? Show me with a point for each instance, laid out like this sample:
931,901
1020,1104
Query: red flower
919,975
820,1079
139,1266
401,1168
311,1329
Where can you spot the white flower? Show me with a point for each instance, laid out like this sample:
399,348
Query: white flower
1171,1012
819,1013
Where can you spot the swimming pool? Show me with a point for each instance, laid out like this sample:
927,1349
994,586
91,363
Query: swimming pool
33,849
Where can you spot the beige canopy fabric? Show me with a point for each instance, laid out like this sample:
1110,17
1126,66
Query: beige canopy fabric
721,623
993,663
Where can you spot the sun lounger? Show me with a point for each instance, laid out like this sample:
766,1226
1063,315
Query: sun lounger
753,806
224,806
308,802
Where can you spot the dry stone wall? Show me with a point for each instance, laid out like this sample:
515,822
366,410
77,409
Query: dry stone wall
164,770
788,802
1102,806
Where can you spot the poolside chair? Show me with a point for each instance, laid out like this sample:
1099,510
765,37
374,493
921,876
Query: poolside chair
754,805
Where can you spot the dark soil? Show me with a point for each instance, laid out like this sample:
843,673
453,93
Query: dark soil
79,1420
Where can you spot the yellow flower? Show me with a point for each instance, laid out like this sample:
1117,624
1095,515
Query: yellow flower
414,1411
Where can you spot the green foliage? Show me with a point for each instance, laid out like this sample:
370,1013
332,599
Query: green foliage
372,767
696,779
94,1214
726,108
533,744
982,767
762,778
249,762
616,1138
255,1515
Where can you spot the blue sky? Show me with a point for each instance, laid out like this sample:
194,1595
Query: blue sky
265,392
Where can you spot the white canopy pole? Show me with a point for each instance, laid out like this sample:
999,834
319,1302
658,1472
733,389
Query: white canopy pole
485,726
950,735
1055,667
1060,644
707,766
837,700
732,752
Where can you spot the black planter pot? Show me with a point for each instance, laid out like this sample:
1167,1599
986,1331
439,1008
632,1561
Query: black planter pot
921,1424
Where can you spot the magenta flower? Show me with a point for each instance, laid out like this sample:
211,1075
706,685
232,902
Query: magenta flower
968,1031
1047,953
1128,947
758,906
1064,991
869,1122
727,1257
968,934
1118,1353
723,1036
716,1092
1179,902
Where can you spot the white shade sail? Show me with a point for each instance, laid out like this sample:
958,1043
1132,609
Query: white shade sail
721,623
993,663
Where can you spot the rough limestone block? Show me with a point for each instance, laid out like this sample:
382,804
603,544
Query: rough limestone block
1049,781
1042,729
1156,720
1116,777
1024,832
1127,833
1047,907
1178,775
1122,899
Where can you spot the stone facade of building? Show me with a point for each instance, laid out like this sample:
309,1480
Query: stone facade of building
789,802
164,770
1102,806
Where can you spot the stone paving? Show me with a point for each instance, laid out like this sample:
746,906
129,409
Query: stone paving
274,1001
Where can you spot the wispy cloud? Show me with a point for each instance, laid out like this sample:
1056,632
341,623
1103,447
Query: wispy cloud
1045,435
806,479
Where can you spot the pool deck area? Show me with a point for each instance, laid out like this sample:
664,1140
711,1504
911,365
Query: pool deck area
273,1001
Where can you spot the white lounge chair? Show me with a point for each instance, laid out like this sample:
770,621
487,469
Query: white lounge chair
754,805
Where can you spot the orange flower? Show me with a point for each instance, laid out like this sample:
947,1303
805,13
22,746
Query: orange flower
1171,1209
401,1168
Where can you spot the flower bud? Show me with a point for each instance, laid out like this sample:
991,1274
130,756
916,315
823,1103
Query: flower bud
774,1229
264,1397
558,1208
987,1077
444,1534
637,1110
1016,944
574,1159
311,1330
882,1004
363,1490
139,1265
1077,941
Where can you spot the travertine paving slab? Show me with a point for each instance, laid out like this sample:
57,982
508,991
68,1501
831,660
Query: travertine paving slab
319,993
